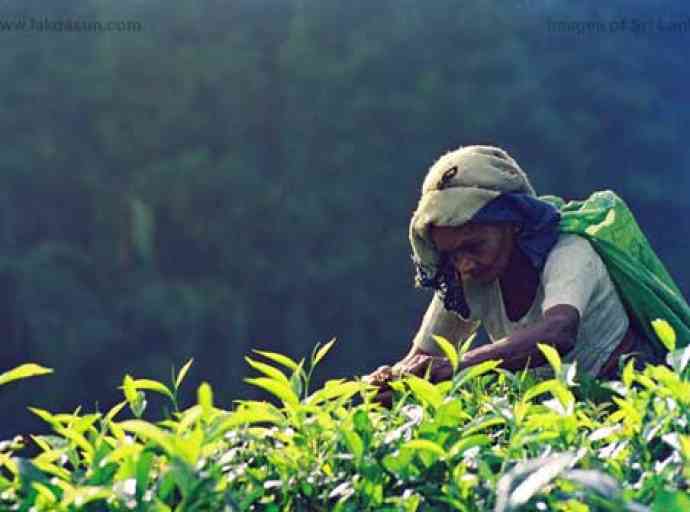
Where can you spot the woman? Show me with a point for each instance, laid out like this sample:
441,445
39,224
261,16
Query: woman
493,253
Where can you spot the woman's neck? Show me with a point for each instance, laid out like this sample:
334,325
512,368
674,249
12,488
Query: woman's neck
520,279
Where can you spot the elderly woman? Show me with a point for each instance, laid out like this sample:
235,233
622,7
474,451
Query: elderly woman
494,255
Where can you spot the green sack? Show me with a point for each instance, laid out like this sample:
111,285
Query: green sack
643,283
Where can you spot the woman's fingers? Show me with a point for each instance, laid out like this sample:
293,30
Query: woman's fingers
417,365
380,376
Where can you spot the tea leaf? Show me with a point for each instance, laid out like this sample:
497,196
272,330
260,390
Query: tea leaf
665,333
426,445
114,411
45,416
473,372
466,345
354,443
542,387
424,391
23,371
188,418
183,373
448,350
279,358
332,390
148,432
247,416
323,351
152,385
628,373
205,398
551,355
129,389
143,471
268,370
276,388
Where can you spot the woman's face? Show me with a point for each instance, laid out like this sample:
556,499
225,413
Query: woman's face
478,251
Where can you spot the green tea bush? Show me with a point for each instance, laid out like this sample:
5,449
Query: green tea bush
488,439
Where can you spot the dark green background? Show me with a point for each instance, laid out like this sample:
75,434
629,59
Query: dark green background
241,174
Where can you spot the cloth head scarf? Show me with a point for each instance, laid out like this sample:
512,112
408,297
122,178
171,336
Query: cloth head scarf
478,184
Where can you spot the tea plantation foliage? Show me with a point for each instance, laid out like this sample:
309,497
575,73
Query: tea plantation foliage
198,188
488,439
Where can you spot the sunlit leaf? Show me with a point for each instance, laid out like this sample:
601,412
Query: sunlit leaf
424,391
78,439
114,411
665,333
44,415
128,388
276,388
188,448
628,373
475,371
149,432
152,385
188,418
22,372
323,351
332,390
183,373
540,388
426,445
448,350
551,355
279,358
268,370
354,443
483,424
45,492
205,398
466,345
256,412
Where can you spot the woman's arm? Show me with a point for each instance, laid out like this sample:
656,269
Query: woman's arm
558,329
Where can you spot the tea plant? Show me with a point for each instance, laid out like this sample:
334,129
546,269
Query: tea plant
488,439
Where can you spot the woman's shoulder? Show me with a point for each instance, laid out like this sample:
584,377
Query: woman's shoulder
571,252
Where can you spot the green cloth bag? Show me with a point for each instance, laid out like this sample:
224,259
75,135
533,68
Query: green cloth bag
647,290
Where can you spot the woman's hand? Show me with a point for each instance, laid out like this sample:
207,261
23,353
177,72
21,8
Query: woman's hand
416,365
441,368
380,377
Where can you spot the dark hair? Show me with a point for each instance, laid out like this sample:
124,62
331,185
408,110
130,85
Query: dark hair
445,283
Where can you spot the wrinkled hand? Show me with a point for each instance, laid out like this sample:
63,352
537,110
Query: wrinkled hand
441,369
380,378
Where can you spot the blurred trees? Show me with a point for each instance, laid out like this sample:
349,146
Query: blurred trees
241,175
